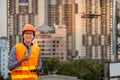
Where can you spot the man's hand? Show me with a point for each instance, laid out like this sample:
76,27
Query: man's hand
39,72
25,57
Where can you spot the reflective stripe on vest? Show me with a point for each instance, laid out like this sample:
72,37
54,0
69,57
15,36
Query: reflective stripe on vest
24,76
26,68
23,72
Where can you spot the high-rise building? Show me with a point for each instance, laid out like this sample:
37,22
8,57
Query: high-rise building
21,12
62,12
116,21
94,28
4,57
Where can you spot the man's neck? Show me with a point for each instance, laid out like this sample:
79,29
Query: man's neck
27,43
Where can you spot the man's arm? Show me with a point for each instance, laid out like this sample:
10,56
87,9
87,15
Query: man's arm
40,62
13,63
39,68
12,59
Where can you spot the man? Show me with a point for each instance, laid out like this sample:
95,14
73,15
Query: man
25,57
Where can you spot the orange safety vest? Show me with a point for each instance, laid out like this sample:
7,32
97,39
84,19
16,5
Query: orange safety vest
23,72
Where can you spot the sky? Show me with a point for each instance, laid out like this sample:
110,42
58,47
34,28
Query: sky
3,18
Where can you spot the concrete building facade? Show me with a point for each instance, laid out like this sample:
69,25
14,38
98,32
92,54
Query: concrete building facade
52,44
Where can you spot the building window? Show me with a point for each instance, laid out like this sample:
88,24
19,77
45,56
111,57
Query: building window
54,50
53,53
58,41
76,8
23,1
3,50
3,64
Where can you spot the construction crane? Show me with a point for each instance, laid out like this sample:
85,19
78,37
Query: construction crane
83,15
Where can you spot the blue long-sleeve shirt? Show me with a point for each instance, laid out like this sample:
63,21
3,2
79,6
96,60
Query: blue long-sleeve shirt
12,59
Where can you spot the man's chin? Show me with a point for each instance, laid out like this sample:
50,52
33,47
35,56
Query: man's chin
28,41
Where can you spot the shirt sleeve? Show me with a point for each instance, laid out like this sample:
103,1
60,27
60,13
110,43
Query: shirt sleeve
40,62
12,59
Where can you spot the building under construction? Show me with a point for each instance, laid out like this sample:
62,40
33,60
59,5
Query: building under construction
95,29
62,12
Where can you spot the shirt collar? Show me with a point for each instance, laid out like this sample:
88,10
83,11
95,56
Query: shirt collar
26,45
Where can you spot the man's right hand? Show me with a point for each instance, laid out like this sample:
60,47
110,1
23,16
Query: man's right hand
25,57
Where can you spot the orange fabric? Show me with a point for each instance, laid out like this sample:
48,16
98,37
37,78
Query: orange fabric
22,72
28,27
33,61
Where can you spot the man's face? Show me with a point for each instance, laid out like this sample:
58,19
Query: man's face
28,36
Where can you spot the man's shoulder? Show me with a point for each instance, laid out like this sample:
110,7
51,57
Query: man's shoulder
36,46
18,44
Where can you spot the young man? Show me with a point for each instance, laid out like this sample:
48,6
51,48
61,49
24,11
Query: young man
25,57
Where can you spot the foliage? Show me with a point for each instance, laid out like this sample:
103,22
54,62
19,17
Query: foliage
66,68
50,65
81,68
1,77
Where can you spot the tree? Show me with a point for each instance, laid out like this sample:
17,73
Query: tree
81,68
66,68
1,77
50,65
89,69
